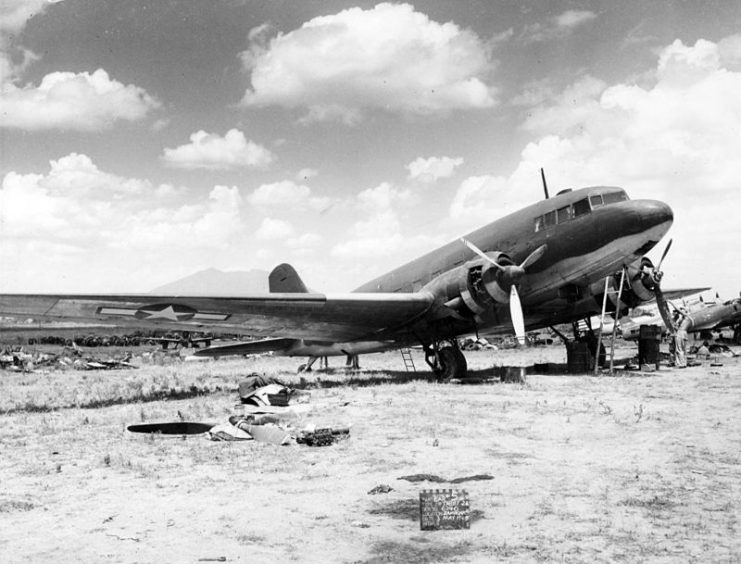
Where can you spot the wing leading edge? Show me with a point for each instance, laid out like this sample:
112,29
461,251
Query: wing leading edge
330,317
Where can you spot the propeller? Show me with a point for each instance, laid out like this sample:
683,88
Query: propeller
511,274
661,302
515,311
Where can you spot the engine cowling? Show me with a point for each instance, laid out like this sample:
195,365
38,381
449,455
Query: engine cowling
484,285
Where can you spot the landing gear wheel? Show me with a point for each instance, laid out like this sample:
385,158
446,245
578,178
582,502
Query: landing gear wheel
451,364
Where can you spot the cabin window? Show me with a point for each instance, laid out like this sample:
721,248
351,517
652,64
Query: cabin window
550,218
596,200
539,223
564,214
581,207
436,274
614,197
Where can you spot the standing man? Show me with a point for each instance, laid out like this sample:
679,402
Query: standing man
680,340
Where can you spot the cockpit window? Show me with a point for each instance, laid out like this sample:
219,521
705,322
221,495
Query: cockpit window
550,218
614,197
596,200
581,207
564,214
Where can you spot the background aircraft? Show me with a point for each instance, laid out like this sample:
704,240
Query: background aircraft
541,266
714,317
703,317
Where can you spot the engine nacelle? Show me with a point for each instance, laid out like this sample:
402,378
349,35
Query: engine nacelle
483,285
639,285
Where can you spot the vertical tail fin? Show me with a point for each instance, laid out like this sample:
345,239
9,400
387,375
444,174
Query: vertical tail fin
285,279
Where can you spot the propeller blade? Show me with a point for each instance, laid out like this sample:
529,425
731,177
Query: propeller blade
663,256
534,257
479,252
515,312
664,310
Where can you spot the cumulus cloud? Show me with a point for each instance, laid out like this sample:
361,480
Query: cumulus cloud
304,242
574,18
66,100
306,173
433,168
286,194
729,50
676,138
14,14
557,27
687,123
389,57
212,152
383,197
62,100
271,229
379,232
75,207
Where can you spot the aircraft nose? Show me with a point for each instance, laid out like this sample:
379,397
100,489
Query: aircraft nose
654,213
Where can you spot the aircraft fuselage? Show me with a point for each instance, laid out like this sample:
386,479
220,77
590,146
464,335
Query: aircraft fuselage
589,233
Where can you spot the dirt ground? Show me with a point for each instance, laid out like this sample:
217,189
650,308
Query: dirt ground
637,467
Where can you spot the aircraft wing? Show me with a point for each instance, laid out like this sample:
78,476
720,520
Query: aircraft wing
675,293
339,317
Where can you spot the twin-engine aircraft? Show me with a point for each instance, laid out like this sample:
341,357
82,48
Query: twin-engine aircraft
541,266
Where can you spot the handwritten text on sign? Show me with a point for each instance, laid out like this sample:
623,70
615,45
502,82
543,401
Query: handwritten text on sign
444,509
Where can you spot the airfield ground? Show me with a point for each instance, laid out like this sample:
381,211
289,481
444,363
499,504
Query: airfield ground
638,467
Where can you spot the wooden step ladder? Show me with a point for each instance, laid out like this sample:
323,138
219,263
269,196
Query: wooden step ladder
406,354
618,294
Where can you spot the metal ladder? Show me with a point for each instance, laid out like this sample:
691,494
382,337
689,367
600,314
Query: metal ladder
406,354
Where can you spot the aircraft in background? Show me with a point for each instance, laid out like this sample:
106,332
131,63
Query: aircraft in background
717,316
703,317
540,266
183,339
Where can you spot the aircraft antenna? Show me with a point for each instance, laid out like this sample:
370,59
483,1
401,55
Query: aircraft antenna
545,186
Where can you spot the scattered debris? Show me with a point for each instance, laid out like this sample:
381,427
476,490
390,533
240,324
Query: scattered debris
423,478
471,344
439,480
471,478
227,432
322,437
382,489
17,360
263,432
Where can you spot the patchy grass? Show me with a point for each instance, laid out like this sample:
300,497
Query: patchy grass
584,469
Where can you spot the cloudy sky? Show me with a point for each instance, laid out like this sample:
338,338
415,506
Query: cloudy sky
142,141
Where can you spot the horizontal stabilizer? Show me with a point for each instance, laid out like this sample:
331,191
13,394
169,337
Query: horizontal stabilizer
284,279
249,347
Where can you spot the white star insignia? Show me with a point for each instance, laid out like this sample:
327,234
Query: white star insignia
167,313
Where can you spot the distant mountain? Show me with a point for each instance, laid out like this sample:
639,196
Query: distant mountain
213,282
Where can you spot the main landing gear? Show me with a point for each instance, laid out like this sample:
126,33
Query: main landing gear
446,360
